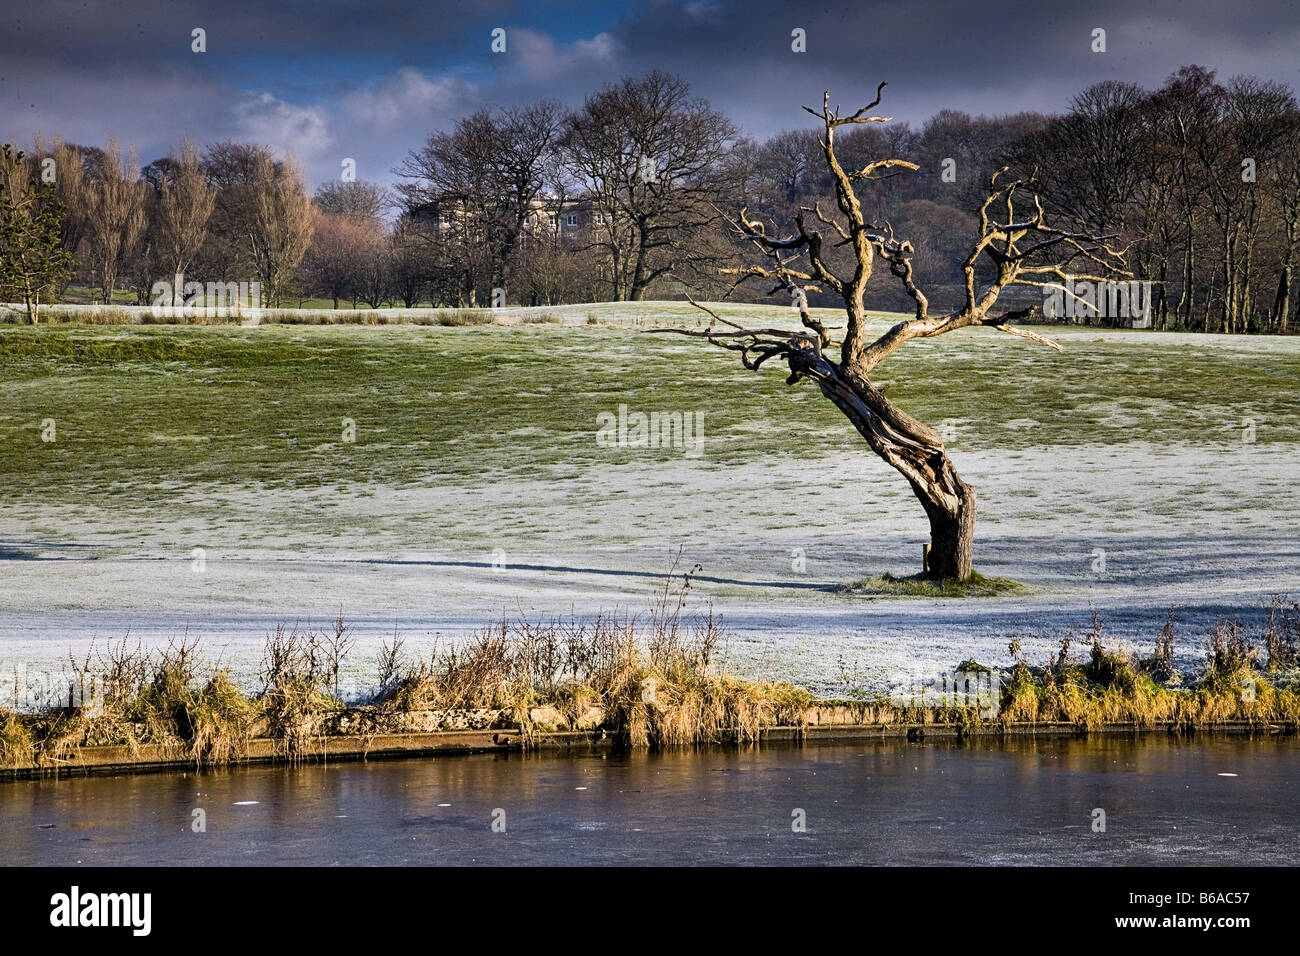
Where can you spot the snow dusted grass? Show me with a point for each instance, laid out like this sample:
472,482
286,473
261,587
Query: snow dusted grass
137,406
144,412
480,439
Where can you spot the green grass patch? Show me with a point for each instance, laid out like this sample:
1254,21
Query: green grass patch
918,585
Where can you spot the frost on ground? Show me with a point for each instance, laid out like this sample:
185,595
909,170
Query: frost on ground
1127,529
1128,532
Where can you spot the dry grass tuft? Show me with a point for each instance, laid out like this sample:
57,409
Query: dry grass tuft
656,680
296,698
1114,686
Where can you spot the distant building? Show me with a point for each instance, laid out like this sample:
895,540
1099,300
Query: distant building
566,218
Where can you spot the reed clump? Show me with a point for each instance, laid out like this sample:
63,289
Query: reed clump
1116,685
122,696
17,741
650,681
299,673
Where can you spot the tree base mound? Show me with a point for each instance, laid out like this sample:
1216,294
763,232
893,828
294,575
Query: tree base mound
919,585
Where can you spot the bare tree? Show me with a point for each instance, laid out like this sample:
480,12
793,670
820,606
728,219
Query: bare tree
374,283
409,271
185,201
141,269
651,159
232,169
472,192
1014,246
790,168
357,198
1286,177
331,267
280,229
1256,132
1089,152
115,215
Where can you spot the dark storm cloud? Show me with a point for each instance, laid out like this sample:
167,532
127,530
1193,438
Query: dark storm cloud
993,57
370,80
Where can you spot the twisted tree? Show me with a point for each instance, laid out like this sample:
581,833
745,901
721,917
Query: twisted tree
1014,246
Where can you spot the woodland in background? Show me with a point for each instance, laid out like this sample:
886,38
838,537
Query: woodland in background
632,196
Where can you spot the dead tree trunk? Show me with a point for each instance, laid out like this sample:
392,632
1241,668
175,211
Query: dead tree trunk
952,536
915,450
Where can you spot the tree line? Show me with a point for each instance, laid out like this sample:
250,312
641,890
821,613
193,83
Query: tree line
636,195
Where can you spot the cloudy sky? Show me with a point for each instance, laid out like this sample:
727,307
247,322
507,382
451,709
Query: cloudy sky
370,79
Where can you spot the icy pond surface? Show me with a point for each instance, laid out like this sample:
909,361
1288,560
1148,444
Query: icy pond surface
1208,800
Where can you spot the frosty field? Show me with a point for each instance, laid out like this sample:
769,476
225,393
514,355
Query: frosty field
1133,472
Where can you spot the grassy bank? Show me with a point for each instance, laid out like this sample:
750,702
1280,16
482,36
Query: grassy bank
655,682
1242,679
128,315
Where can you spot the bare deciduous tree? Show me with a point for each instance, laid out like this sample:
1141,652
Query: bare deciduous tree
232,168
1286,176
374,284
185,201
650,158
409,272
356,198
1014,246
115,215
331,266
280,229
472,192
